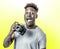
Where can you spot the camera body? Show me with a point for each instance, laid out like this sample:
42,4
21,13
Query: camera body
20,29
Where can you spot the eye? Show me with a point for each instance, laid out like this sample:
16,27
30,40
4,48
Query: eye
26,12
32,13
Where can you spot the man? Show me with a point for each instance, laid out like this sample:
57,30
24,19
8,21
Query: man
33,38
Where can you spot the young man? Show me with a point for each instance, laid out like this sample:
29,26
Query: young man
33,38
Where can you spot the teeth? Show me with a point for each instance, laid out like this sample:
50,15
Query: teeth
29,20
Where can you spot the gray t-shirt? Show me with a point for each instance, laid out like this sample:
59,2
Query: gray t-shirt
32,39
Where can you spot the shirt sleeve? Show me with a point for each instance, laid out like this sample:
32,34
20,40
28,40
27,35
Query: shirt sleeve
16,34
42,42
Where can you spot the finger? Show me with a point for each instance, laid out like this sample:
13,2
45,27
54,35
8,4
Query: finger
16,22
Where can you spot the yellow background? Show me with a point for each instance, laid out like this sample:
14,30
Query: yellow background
48,20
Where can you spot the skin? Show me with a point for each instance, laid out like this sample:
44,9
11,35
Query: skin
29,17
10,37
30,14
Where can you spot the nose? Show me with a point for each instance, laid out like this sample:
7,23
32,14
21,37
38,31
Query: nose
29,14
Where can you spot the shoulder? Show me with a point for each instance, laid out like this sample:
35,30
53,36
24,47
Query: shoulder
41,33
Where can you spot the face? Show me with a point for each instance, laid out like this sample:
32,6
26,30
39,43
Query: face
30,16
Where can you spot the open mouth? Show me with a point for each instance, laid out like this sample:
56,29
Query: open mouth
29,20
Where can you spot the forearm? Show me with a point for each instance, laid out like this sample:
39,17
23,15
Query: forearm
8,40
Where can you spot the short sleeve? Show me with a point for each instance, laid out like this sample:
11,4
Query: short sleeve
16,34
42,42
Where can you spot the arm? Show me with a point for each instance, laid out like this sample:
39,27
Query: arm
10,37
8,40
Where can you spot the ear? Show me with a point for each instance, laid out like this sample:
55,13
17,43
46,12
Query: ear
36,16
24,14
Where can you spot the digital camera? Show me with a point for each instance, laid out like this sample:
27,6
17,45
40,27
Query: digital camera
20,29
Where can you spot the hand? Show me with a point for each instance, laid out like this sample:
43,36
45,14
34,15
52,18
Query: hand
13,27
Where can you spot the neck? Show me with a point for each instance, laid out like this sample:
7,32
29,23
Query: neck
31,26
